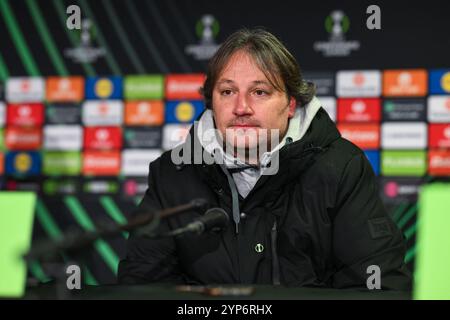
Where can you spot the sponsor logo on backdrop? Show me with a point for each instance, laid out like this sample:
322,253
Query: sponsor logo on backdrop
63,114
30,184
184,86
31,114
337,24
102,113
358,84
440,81
329,104
403,163
183,111
136,162
174,134
359,110
18,138
404,110
23,163
101,163
150,138
206,29
396,190
134,187
404,135
104,88
439,162
144,113
103,138
61,163
405,83
65,89
374,159
2,163
2,114
324,81
63,137
60,186
148,87
439,136
25,89
439,108
100,186
365,136
85,51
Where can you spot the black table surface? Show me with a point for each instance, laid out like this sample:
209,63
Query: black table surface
170,292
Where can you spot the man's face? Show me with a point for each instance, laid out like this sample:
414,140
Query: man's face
247,108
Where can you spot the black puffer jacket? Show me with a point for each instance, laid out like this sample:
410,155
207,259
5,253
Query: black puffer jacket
318,222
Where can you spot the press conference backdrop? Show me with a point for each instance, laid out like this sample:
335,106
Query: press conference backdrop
83,112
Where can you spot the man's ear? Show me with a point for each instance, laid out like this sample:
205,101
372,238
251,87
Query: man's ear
292,105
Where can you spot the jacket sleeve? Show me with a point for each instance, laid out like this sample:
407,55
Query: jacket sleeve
364,234
149,260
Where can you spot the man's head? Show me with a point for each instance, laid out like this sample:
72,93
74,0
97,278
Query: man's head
253,87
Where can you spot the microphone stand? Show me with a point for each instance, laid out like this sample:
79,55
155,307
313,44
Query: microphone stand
74,242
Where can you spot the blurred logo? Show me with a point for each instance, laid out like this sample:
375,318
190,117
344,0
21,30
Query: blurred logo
365,136
102,113
2,114
149,138
61,163
98,186
439,162
63,113
206,29
144,113
63,137
2,163
103,138
101,163
134,187
22,163
400,189
25,114
65,89
85,52
404,110
136,162
337,25
60,186
359,110
438,109
404,135
174,134
403,163
186,86
358,84
439,135
104,88
183,111
25,89
439,81
324,81
17,138
405,82
148,87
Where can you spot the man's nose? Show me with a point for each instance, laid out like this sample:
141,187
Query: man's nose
242,106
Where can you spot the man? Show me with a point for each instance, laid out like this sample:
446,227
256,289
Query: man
303,203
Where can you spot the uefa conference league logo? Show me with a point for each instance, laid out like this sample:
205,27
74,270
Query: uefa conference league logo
207,29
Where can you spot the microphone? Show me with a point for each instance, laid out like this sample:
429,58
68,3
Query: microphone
213,219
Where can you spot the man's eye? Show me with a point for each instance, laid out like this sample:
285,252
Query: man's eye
260,92
226,92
